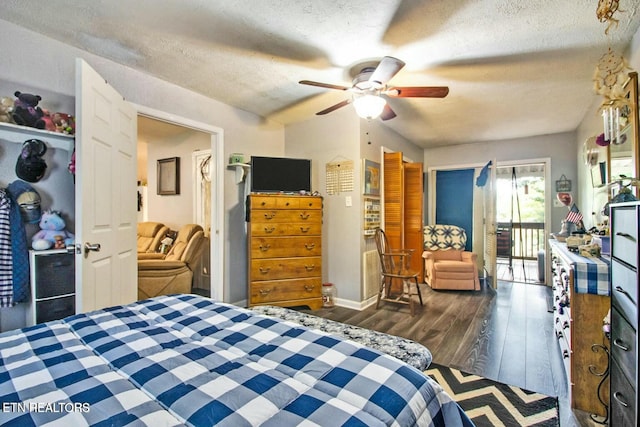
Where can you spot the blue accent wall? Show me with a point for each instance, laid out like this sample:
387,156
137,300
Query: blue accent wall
454,200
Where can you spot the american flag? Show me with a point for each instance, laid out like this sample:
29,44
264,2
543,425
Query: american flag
574,214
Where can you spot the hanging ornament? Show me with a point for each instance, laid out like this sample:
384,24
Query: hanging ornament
610,76
605,11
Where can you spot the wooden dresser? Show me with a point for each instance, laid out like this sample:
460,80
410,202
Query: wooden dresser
284,250
581,302
625,218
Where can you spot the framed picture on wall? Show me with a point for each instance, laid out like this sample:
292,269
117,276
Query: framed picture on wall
169,176
370,178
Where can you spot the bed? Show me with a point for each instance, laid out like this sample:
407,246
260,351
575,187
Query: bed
188,360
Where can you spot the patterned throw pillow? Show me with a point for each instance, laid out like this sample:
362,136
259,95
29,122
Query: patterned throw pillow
444,237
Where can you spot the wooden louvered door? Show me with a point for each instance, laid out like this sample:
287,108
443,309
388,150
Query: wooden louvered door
413,196
403,200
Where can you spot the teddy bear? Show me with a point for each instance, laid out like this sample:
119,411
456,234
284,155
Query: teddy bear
6,109
52,232
26,111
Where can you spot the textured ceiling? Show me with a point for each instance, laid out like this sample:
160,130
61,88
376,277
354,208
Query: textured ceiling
514,68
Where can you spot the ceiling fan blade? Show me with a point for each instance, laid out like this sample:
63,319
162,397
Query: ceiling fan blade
334,107
325,85
387,113
386,69
418,92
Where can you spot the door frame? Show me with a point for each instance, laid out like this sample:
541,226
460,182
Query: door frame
216,268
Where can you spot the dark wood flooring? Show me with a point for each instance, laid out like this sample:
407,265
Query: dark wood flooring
505,335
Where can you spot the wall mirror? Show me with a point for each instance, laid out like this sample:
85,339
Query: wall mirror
622,153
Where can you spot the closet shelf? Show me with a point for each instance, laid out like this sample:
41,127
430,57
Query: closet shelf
18,134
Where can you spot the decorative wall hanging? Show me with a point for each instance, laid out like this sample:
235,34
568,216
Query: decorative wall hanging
605,11
370,178
563,184
339,176
169,176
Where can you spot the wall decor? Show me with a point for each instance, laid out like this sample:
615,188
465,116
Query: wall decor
370,178
339,176
169,176
563,184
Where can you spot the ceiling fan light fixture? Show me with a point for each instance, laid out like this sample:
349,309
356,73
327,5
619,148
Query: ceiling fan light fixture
369,106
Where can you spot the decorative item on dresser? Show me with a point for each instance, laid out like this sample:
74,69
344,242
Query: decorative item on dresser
284,250
581,301
625,218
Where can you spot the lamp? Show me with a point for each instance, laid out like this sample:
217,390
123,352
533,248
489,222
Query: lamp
369,106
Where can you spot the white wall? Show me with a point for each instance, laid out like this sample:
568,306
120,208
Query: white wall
592,200
559,147
341,136
32,60
173,210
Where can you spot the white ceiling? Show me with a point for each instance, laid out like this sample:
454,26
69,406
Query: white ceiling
515,68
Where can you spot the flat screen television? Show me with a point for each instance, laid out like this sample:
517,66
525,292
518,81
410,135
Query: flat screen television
280,174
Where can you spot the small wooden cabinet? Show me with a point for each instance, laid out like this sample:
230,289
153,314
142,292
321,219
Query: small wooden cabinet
625,219
581,302
284,250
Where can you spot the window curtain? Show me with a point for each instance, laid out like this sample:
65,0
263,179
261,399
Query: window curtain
454,200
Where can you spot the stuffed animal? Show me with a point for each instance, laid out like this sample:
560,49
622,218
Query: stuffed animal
26,111
52,232
65,123
6,109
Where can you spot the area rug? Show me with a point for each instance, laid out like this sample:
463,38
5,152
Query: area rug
490,403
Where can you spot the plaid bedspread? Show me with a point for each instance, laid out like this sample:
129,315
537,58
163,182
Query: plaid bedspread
187,360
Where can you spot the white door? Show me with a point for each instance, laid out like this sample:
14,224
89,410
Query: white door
490,229
106,257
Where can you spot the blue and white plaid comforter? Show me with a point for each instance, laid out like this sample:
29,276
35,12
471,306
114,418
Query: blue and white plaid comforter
187,360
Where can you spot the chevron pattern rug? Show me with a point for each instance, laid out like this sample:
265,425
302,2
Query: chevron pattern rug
490,403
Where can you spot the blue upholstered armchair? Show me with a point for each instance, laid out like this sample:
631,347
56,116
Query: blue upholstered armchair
447,265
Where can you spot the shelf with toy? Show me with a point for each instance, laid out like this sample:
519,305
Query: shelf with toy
10,132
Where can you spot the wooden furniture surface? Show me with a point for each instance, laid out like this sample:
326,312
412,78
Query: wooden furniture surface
625,218
284,250
578,318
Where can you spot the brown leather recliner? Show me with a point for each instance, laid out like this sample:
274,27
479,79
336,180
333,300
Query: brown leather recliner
149,236
160,274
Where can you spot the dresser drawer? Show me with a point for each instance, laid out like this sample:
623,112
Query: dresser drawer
268,216
281,290
624,291
285,268
623,398
286,229
274,202
623,344
282,247
625,237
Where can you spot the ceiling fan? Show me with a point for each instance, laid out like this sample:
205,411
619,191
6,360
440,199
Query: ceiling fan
370,85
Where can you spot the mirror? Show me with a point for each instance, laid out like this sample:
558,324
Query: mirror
622,153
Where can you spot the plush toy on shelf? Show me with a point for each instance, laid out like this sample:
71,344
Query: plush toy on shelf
52,233
6,109
26,111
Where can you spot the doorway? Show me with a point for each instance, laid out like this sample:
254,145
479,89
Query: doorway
521,222
161,123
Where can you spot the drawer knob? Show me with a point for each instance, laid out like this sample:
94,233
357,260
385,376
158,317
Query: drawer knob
269,230
304,215
310,267
618,396
264,292
270,215
265,270
265,248
309,288
620,344
305,229
310,246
